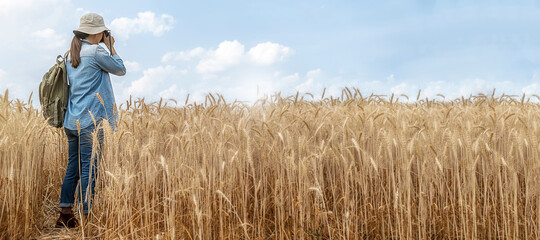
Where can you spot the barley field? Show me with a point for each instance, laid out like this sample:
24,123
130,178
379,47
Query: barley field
295,167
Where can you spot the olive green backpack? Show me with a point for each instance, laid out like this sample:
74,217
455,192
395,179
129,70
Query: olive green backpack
54,93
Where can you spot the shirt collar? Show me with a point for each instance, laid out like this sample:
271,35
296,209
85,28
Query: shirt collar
86,41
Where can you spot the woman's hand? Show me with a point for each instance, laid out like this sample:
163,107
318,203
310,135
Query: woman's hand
109,42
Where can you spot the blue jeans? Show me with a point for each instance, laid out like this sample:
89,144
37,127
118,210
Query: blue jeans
82,165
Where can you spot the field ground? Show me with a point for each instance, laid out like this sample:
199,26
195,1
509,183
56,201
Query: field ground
297,167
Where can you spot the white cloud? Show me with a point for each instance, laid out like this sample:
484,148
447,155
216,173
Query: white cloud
183,55
228,53
132,66
467,87
152,79
7,6
228,70
289,78
269,53
11,7
312,84
27,19
81,11
475,86
172,92
313,73
305,86
399,89
49,38
145,22
478,85
530,89
432,89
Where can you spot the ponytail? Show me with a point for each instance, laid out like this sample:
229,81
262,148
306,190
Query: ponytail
75,50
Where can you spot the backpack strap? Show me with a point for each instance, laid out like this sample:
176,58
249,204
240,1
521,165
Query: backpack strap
58,61
65,55
63,58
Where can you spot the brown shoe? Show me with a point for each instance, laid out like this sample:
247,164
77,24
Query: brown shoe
67,220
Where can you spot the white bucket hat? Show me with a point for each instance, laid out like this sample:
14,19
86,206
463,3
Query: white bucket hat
92,23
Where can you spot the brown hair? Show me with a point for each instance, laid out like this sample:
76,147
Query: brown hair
75,50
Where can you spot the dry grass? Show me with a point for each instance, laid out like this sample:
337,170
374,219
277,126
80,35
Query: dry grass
287,168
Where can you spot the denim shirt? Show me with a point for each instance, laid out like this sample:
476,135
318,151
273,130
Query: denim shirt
86,81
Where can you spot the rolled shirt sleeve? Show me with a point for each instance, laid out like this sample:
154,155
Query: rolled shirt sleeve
112,64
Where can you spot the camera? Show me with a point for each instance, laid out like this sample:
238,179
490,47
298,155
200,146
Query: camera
106,34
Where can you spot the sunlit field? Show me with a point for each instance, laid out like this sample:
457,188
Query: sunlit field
358,166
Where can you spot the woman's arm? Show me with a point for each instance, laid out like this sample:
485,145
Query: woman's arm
112,64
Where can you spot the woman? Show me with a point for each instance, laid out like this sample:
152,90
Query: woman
90,97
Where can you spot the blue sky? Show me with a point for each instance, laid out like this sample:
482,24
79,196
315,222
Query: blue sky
246,49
